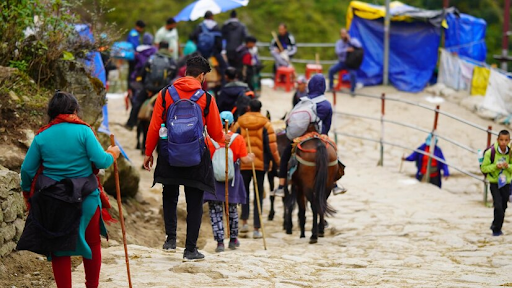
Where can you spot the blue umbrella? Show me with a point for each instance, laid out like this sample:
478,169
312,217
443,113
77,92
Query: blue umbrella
197,9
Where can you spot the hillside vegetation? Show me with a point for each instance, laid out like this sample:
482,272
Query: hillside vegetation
309,21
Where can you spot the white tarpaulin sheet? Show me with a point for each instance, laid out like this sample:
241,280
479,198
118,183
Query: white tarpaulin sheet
455,72
498,97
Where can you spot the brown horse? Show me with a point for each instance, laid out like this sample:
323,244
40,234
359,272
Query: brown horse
312,181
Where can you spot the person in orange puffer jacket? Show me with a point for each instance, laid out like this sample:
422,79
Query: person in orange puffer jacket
264,147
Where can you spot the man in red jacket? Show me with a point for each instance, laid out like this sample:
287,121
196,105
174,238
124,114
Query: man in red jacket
196,179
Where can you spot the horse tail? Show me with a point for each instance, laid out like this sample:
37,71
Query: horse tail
321,178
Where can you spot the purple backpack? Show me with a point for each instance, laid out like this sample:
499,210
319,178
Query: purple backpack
185,129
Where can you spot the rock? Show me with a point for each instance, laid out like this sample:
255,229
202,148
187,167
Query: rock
13,207
29,137
129,175
8,233
9,180
7,248
20,225
7,74
90,92
13,96
25,99
11,157
2,129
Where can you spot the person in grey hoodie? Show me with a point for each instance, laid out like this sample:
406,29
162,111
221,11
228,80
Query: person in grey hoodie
234,33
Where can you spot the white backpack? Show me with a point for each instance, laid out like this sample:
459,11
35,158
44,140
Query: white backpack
219,161
303,114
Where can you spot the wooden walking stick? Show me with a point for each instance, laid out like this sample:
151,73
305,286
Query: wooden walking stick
255,181
123,229
401,163
227,181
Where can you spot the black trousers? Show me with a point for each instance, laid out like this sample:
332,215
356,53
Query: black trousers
194,199
499,199
247,175
137,100
285,158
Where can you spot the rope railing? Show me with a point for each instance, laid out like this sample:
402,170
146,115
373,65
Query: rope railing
468,173
434,133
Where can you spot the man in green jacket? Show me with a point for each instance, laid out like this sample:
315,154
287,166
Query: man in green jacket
498,167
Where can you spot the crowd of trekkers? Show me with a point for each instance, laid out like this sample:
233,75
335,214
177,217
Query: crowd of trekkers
213,145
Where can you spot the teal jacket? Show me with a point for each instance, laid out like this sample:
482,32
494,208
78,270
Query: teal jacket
67,151
490,168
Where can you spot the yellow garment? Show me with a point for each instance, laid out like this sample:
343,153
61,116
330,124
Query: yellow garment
372,12
480,81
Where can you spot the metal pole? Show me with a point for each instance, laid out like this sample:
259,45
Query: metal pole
504,42
383,112
432,146
334,118
387,26
446,3
486,186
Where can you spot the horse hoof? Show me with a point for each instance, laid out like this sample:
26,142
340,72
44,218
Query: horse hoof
302,236
289,231
270,216
321,235
313,241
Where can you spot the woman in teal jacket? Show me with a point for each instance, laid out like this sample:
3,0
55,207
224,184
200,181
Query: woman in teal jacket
67,148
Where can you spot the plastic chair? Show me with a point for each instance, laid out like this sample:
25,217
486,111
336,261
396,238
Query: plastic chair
284,78
312,69
342,83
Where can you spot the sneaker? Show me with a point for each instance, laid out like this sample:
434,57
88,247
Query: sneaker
220,247
257,234
496,234
169,244
279,192
244,229
338,189
233,244
191,256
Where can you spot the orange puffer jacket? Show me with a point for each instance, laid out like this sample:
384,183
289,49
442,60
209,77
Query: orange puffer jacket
263,140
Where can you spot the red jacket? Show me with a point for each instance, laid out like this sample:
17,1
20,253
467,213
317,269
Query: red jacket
186,87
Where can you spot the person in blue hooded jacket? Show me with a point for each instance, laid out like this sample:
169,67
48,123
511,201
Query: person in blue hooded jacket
422,163
316,88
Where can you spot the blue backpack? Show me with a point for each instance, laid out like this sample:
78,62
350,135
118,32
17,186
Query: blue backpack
122,50
185,129
206,41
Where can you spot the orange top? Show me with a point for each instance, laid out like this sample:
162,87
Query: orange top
238,147
186,87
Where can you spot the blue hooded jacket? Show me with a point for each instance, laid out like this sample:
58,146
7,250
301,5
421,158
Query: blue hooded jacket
316,88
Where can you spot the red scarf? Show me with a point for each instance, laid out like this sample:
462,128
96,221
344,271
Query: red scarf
74,119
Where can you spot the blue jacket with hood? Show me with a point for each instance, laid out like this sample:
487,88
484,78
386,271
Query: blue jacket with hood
316,88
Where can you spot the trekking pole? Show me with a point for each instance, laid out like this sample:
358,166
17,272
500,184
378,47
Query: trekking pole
123,229
255,181
401,163
227,181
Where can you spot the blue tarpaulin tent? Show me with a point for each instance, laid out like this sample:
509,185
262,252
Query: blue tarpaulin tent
414,41
466,36
412,57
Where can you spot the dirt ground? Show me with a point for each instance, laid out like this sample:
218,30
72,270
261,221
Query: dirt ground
390,230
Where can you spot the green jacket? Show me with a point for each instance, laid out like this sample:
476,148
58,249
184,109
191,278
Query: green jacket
490,168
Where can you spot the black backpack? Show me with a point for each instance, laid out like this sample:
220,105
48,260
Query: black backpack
355,58
162,70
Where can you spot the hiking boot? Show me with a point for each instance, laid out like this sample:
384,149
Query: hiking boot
220,247
233,244
170,244
191,256
338,189
497,233
244,229
257,234
279,192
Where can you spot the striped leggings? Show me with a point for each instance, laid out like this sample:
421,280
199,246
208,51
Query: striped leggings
216,216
